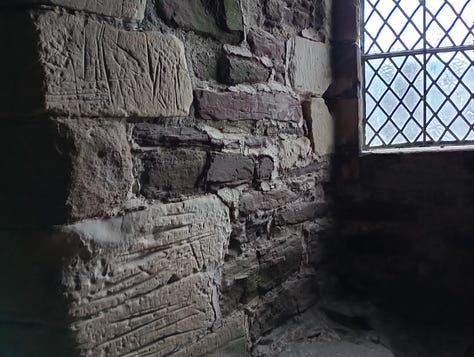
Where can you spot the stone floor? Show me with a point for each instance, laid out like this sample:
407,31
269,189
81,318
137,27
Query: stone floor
342,329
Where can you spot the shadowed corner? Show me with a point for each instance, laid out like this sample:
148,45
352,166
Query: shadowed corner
33,310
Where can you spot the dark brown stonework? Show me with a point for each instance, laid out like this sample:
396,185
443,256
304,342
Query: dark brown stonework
172,171
263,201
146,134
230,169
236,70
216,18
264,168
263,43
243,106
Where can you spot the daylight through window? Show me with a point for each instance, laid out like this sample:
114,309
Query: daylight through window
417,59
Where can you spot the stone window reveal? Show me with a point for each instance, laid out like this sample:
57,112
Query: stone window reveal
418,79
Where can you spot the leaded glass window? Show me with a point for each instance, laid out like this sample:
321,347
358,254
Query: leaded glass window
418,74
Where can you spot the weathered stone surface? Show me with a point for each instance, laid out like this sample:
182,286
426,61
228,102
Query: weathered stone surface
205,17
101,166
203,54
294,153
263,43
280,259
291,298
77,168
244,106
310,66
230,169
263,201
172,171
149,135
321,125
233,15
93,69
227,338
147,285
264,168
293,16
301,211
125,9
237,70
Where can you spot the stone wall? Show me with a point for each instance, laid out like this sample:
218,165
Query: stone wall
180,150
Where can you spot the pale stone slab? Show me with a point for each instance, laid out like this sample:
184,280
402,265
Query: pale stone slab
294,153
310,66
125,9
148,284
321,124
93,69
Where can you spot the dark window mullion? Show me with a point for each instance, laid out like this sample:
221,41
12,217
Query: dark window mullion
424,72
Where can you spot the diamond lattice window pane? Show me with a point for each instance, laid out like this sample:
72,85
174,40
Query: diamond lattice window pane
392,25
449,22
449,98
394,95
416,94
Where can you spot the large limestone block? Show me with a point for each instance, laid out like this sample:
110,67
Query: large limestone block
89,68
321,124
125,9
145,283
310,66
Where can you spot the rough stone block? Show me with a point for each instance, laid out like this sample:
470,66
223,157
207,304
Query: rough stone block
264,168
205,17
228,338
244,106
101,164
233,15
236,70
93,69
147,282
254,201
310,66
150,134
293,16
321,125
263,43
294,153
299,212
64,169
172,171
124,9
230,169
